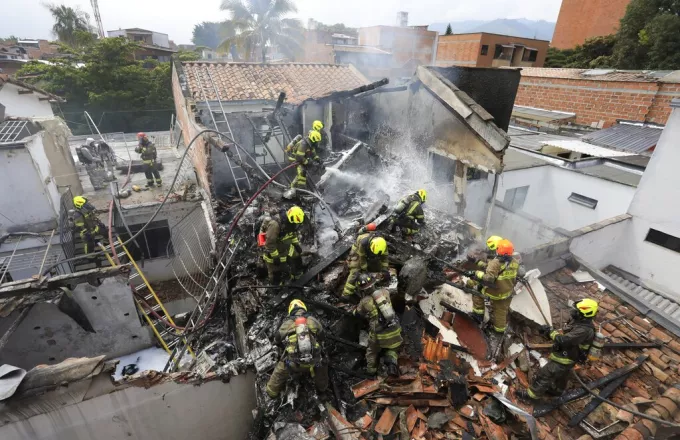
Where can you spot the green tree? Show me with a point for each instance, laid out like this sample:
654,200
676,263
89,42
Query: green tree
260,24
558,58
596,52
449,31
69,24
208,34
648,36
188,55
338,28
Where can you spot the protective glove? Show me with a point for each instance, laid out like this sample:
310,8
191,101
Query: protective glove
386,276
545,330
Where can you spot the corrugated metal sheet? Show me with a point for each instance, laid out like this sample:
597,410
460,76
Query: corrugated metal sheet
539,114
584,148
532,141
626,137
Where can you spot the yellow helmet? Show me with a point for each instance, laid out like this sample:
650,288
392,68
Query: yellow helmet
492,242
314,136
378,246
296,304
587,307
79,201
296,215
317,125
422,194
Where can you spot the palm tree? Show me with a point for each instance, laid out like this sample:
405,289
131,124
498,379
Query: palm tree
68,22
259,24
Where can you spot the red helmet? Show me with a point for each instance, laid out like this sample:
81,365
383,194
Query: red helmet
141,135
505,248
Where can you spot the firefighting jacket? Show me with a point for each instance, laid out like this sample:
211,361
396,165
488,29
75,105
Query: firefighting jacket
573,345
302,151
499,278
147,150
361,251
411,207
281,238
388,334
85,220
286,333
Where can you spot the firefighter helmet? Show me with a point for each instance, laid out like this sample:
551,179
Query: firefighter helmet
317,125
378,246
505,248
314,136
587,307
492,242
422,194
366,280
141,135
296,304
295,215
79,201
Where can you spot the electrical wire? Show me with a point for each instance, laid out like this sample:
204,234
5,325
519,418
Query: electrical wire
636,413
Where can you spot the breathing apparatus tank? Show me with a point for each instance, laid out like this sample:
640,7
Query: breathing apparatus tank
295,140
382,299
595,352
304,340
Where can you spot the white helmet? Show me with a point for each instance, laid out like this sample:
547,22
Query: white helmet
89,140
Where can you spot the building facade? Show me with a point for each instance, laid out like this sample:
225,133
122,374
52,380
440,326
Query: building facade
154,45
483,49
583,19
410,46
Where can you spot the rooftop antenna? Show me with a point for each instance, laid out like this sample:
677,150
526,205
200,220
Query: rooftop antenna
97,18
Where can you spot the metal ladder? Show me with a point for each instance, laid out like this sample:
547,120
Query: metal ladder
166,335
204,307
234,169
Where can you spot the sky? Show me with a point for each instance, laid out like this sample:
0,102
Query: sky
29,19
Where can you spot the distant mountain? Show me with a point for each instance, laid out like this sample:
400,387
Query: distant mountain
520,27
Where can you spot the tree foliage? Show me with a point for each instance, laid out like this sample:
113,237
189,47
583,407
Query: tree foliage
208,34
449,31
104,78
596,52
71,25
261,24
338,28
188,55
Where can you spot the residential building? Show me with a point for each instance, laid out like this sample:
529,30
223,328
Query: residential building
155,45
601,97
410,46
39,49
582,19
483,49
23,100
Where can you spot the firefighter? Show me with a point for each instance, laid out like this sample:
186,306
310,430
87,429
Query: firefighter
301,333
569,347
87,155
282,245
86,224
408,214
498,282
303,151
368,254
384,330
148,152
318,126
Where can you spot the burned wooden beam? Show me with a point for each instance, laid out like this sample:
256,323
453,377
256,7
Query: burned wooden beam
607,391
347,93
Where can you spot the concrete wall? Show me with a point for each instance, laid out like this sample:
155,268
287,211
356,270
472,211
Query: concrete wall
26,105
466,49
62,166
582,19
48,336
405,43
523,230
600,246
27,199
212,411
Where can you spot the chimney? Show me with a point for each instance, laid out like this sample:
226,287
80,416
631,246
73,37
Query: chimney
402,18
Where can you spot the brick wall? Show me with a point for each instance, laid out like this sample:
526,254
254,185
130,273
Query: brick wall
595,101
582,19
461,50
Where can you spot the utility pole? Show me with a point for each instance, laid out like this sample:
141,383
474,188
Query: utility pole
97,18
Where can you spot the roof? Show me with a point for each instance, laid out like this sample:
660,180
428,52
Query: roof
584,148
255,81
360,49
613,173
601,74
635,138
493,33
517,160
539,114
8,79
531,140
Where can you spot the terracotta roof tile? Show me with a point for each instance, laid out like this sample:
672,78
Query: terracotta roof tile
250,81
594,74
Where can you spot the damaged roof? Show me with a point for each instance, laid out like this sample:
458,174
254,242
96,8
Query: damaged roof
635,138
600,74
255,81
6,79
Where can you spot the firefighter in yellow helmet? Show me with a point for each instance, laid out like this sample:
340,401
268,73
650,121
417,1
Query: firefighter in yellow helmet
384,329
87,225
303,151
498,282
301,335
409,214
569,347
282,250
147,150
369,254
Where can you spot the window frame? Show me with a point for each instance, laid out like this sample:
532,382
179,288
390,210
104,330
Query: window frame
484,50
165,250
512,205
660,238
582,200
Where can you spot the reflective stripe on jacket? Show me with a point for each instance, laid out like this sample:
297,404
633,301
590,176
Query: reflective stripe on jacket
570,346
361,250
500,279
389,337
281,237
411,207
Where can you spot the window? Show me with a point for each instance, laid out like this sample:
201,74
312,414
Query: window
475,174
442,168
583,200
498,52
154,241
515,197
485,49
529,55
663,239
503,52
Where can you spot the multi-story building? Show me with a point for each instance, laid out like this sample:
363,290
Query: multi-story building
483,49
152,44
583,19
410,46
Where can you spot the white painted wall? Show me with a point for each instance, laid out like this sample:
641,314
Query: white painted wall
600,247
36,148
26,198
160,39
25,106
